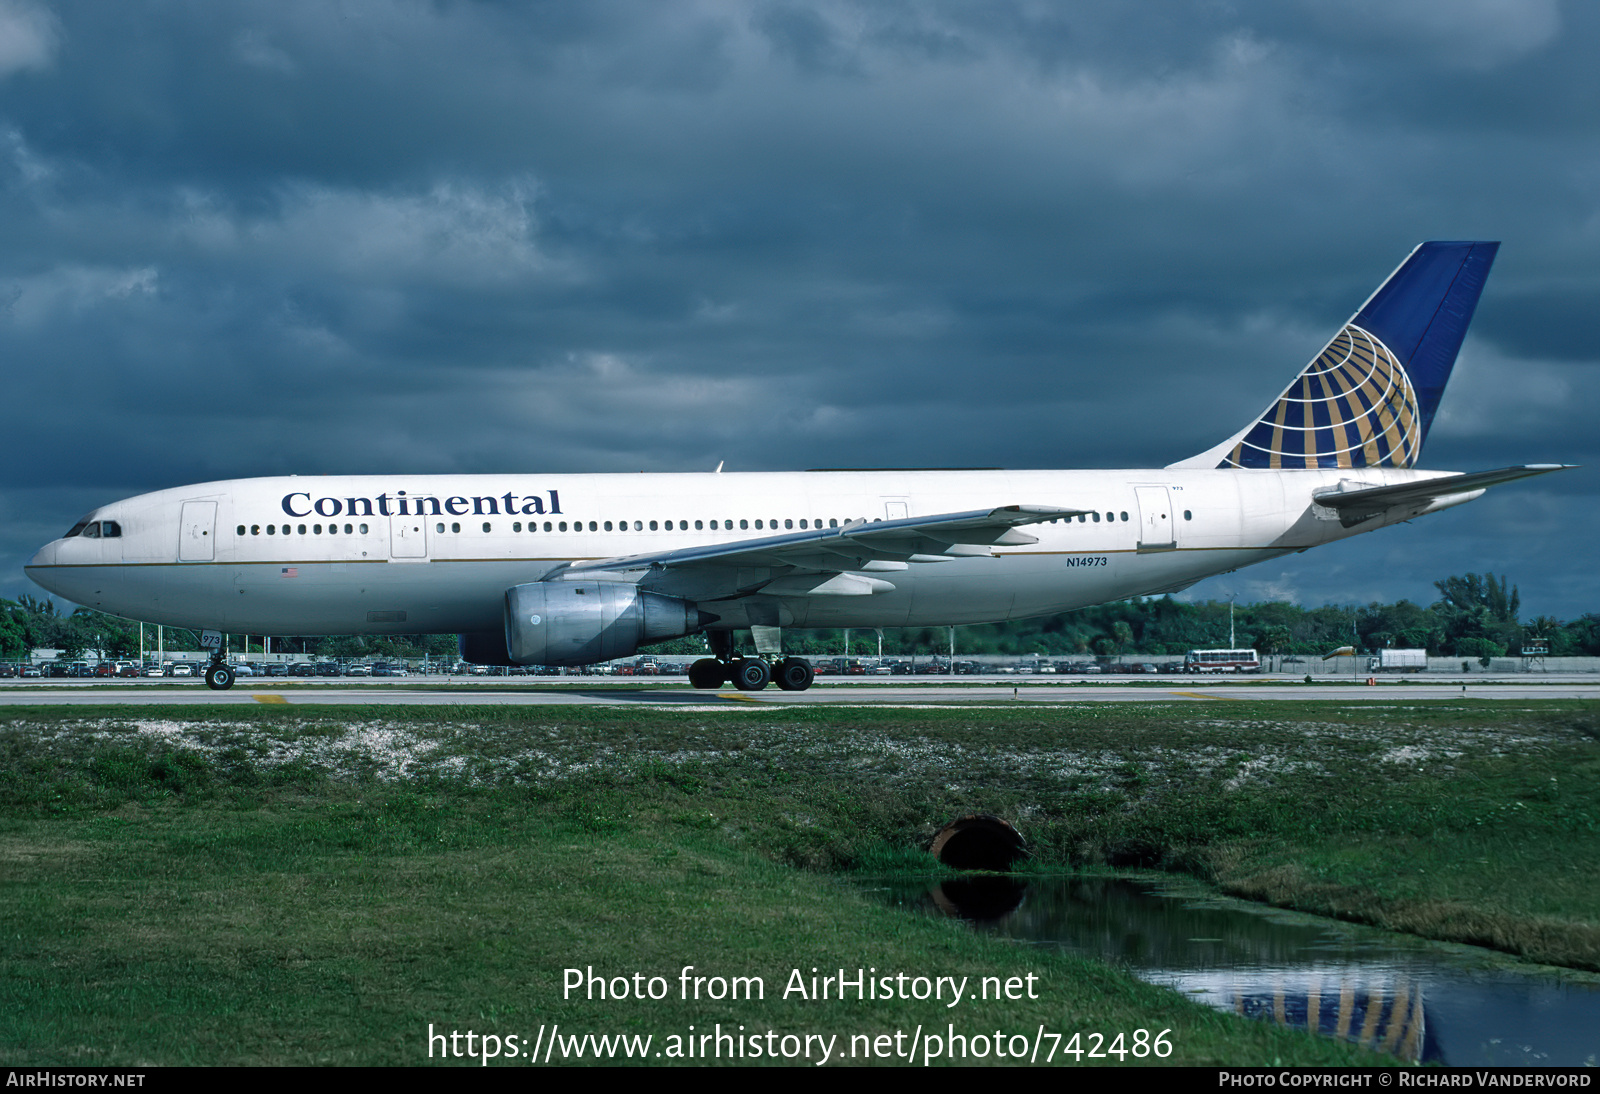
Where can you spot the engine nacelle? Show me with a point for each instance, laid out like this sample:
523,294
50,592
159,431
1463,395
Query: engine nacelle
584,622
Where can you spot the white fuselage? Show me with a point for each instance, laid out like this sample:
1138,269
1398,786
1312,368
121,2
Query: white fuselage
434,554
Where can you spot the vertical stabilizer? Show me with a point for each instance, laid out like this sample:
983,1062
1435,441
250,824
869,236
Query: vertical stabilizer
1369,397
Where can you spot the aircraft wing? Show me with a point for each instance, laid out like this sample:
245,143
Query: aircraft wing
819,562
1355,506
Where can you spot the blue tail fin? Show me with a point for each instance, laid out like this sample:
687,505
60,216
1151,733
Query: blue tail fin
1369,398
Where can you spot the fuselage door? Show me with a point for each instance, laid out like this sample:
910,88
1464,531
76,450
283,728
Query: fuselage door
408,537
197,531
895,509
1156,530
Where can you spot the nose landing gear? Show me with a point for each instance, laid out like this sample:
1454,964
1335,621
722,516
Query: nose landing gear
219,677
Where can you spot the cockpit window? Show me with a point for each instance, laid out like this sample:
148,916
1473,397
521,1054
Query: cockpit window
95,529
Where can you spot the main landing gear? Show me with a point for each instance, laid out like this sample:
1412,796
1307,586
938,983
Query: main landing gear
750,673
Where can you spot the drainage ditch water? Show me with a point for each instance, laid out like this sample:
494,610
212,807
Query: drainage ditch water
1423,1001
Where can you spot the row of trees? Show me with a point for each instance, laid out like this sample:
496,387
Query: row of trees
1475,616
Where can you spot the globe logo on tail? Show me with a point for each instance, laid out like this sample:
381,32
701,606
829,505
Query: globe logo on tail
1353,406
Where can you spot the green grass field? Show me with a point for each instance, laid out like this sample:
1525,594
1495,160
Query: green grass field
296,885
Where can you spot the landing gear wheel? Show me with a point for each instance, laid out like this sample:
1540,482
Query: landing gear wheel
794,674
750,674
708,673
219,677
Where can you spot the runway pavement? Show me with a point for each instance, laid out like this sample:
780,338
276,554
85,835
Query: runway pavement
437,691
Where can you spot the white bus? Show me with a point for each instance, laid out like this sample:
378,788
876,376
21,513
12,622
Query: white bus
1222,661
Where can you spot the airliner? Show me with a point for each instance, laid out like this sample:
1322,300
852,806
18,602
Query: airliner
532,569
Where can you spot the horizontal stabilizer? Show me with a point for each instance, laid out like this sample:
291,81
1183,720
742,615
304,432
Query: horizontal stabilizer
1355,506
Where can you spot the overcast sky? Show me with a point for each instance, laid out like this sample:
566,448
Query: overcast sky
249,238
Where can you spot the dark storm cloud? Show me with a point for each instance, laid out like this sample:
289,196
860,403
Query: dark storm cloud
248,238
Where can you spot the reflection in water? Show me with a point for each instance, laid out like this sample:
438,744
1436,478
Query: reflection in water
979,899
1377,1011
1422,1002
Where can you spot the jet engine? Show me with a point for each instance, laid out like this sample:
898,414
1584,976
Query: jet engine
584,622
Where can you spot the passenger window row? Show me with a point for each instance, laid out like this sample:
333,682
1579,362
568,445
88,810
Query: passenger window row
653,525
288,529
93,530
109,528
1111,518
1084,518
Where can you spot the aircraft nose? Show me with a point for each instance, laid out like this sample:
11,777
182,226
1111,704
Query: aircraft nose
46,555
38,567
